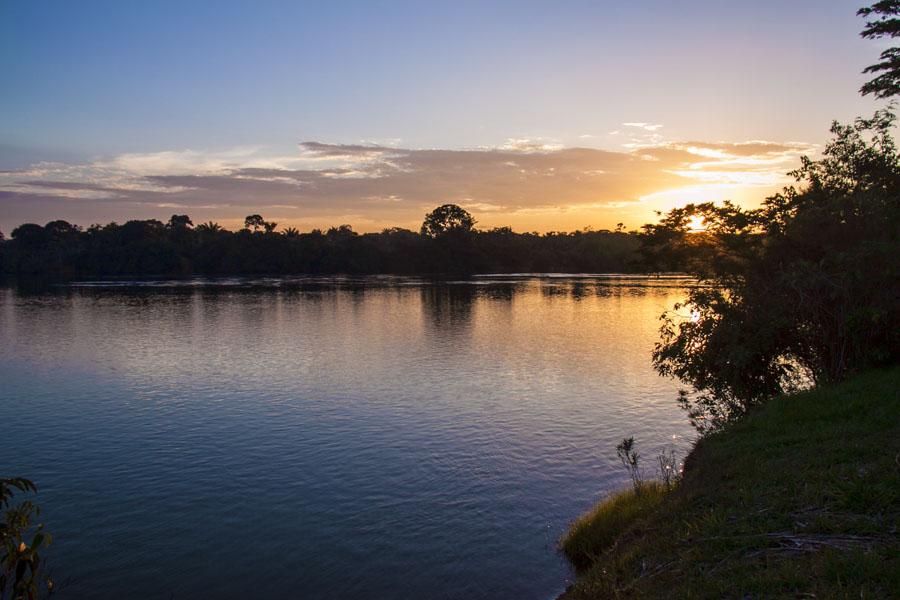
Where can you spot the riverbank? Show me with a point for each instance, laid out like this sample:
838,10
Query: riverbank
802,499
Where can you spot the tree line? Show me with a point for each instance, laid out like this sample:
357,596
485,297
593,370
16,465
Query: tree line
448,243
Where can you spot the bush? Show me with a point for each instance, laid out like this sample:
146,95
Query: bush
21,568
800,291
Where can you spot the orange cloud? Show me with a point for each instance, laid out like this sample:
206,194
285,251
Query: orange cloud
527,184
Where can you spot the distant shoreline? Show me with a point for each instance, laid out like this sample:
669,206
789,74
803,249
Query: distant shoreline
680,279
447,246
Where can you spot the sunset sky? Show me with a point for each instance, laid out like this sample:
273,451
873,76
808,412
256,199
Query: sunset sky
538,115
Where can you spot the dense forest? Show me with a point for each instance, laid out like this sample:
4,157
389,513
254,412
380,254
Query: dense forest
448,243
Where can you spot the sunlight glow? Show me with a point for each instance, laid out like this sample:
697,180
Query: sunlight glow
696,224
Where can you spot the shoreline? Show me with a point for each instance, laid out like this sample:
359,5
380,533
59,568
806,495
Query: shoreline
799,498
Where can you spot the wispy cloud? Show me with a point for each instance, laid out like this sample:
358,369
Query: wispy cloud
524,181
644,126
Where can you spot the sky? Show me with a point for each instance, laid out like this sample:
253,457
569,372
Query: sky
541,116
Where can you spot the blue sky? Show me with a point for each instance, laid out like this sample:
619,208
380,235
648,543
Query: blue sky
86,83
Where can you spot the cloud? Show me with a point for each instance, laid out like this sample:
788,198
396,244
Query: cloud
530,145
644,126
751,148
343,152
381,186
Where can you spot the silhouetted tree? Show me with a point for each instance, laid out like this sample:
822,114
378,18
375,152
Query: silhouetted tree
447,219
29,233
803,287
180,222
341,232
885,23
254,222
209,227
450,232
61,229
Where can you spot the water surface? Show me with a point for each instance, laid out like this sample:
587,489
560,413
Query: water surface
374,438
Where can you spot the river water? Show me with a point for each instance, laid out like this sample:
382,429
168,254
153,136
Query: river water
327,438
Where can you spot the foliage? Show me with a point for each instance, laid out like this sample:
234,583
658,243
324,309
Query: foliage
151,248
180,222
885,24
448,219
799,500
256,222
22,575
801,290
669,474
630,460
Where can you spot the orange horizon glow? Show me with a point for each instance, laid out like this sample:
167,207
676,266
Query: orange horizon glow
372,188
520,116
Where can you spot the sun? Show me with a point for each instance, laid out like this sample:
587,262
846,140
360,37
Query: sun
696,224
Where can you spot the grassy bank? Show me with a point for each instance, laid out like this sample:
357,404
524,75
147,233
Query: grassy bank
800,500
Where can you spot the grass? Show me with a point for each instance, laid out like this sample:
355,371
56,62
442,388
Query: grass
799,500
595,532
